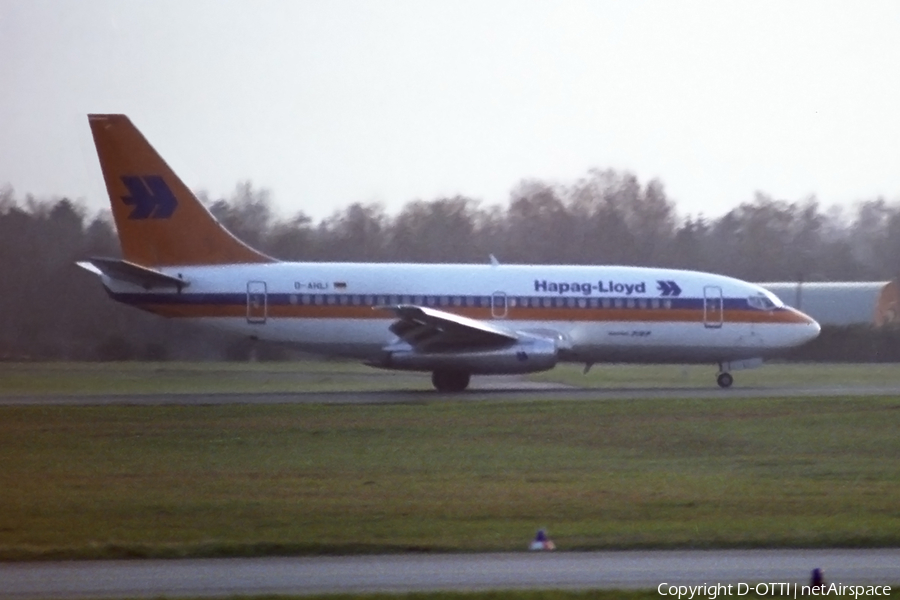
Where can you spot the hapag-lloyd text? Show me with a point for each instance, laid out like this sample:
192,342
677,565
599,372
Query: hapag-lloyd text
588,287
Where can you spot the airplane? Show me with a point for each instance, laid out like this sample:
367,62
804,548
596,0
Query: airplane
454,320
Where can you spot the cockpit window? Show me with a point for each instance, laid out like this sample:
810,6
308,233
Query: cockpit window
763,301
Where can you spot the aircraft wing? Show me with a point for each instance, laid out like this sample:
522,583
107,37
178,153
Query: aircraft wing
430,330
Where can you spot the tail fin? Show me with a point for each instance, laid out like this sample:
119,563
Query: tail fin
160,221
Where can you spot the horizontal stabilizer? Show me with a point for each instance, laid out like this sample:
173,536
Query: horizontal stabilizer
122,270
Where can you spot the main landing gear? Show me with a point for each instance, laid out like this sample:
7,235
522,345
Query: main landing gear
450,381
724,380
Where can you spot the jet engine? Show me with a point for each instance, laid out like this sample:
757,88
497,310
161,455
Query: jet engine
528,355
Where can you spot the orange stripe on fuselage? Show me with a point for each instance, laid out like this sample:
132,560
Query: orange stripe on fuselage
621,315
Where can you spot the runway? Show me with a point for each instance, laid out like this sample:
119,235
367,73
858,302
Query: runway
407,573
490,392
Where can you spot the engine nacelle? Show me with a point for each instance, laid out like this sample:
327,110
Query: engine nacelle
526,356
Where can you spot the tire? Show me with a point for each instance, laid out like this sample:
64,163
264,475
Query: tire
450,381
724,380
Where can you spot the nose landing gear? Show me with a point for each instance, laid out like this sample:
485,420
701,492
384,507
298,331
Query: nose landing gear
724,378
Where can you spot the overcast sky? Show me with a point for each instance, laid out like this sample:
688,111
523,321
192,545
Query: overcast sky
326,103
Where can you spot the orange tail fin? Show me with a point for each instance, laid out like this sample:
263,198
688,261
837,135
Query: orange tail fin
160,221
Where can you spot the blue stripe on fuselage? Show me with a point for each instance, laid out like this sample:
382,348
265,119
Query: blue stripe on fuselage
435,301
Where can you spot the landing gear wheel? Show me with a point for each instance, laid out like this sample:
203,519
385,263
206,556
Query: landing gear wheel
450,381
724,380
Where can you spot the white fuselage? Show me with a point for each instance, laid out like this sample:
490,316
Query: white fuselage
596,313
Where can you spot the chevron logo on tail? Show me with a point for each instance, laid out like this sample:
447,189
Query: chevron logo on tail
668,288
150,196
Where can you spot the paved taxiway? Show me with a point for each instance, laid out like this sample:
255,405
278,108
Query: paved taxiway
404,573
516,392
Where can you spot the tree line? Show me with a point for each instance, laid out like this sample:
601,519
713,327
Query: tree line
53,310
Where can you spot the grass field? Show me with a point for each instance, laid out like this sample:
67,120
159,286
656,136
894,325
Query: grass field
439,476
213,377
770,375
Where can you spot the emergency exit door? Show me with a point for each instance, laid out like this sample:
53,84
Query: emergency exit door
257,302
498,305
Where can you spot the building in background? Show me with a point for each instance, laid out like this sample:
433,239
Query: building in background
842,303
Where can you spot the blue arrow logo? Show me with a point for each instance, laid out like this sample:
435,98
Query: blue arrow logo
150,197
668,288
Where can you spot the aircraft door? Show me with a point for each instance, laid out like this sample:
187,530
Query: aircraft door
257,302
498,305
713,309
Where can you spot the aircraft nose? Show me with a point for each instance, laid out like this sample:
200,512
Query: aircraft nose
814,330
810,329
